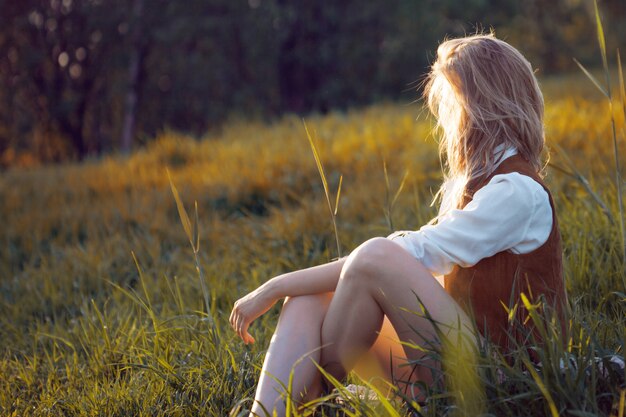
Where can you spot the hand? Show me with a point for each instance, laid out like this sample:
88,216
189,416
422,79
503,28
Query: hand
249,308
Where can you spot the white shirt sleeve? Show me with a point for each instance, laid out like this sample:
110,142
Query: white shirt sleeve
512,212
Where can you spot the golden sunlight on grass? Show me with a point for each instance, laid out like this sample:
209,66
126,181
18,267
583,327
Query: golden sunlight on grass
85,333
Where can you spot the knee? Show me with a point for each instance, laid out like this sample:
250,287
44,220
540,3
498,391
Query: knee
370,259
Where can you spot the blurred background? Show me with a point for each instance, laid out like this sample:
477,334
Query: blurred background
85,77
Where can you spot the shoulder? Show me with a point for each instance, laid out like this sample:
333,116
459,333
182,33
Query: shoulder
517,181
515,190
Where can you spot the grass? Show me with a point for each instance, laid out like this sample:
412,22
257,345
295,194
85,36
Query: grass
87,331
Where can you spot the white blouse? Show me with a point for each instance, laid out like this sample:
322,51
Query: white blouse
511,212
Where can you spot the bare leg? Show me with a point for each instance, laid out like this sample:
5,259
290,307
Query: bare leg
385,362
297,338
379,278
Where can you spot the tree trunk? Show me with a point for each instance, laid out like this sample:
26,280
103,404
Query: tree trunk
134,66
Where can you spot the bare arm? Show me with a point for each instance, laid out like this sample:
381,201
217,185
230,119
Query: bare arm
314,280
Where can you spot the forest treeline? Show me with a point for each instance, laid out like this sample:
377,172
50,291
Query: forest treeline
83,77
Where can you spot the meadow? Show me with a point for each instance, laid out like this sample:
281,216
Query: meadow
103,311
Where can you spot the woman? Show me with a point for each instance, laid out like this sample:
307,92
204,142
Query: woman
495,237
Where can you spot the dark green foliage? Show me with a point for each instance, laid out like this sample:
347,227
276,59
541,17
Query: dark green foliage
66,66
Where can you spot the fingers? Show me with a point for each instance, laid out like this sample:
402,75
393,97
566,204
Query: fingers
233,316
239,328
245,336
240,325
242,331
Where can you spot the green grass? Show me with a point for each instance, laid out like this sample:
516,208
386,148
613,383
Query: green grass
86,331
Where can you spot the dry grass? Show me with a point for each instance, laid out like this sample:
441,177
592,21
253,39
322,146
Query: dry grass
86,332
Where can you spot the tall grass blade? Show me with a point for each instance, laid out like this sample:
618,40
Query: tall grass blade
592,78
148,304
387,207
400,187
387,405
318,162
618,176
387,185
132,295
391,201
205,291
554,412
320,168
193,234
184,218
600,34
57,338
338,195
196,229
143,283
622,87
105,334
622,94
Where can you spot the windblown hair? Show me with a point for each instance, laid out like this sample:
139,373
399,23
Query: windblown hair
486,99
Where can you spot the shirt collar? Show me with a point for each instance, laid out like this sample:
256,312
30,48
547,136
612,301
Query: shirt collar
500,153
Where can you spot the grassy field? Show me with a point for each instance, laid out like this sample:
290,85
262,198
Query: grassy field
102,309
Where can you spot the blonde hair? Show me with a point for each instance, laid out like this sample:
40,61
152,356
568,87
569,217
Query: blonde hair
486,99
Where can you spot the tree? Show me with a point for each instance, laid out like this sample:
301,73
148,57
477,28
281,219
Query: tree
52,56
135,62
82,77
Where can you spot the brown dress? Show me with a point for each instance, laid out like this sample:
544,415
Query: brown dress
496,282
